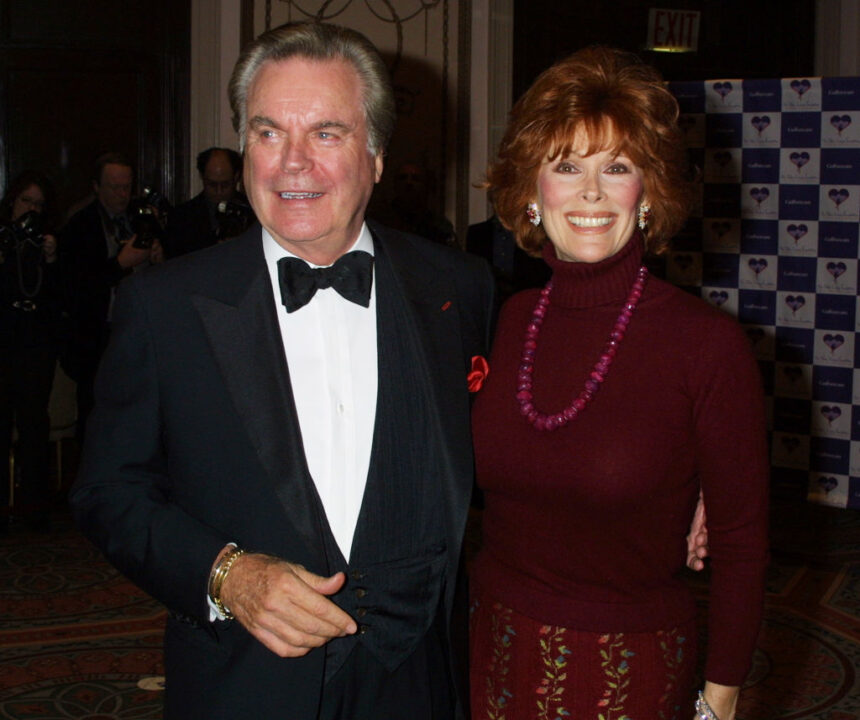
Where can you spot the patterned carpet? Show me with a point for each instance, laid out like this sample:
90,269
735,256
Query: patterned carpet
78,641
806,664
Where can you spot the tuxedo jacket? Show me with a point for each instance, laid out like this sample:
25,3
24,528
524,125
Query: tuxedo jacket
526,271
93,275
189,228
194,442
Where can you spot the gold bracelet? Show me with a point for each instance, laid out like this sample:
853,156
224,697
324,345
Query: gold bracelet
216,580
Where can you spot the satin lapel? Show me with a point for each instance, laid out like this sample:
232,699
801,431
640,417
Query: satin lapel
432,300
243,330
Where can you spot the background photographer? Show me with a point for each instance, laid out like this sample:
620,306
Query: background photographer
31,312
217,213
101,245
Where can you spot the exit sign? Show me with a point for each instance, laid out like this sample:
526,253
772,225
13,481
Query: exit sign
673,30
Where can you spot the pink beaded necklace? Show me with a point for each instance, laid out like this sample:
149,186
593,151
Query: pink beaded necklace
525,374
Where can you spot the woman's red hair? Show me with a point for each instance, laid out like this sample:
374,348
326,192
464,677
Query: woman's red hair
623,106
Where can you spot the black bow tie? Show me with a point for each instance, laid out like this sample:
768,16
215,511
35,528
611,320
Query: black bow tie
351,276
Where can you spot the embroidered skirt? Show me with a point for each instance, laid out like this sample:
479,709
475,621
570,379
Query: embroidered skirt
522,669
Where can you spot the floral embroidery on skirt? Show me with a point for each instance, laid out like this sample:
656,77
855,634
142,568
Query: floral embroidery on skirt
522,669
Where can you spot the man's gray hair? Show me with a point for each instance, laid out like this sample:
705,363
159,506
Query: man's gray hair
323,42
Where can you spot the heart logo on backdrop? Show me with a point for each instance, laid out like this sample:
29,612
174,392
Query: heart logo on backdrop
718,297
799,158
790,443
683,261
722,157
795,302
759,194
797,231
840,122
831,412
758,265
722,89
801,87
828,483
721,228
834,342
836,269
755,334
838,196
793,373
760,123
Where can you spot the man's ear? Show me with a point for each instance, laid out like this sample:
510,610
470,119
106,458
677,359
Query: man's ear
378,164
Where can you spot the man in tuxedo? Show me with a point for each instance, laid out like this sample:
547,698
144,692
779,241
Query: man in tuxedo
280,449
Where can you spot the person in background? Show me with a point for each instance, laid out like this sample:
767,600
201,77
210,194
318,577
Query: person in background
99,246
32,306
515,269
410,207
613,399
202,220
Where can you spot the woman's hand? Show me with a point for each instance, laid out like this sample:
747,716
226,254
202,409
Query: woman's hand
723,700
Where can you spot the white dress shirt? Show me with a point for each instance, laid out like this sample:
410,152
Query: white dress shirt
330,346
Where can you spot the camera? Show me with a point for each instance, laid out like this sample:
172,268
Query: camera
233,218
147,216
28,228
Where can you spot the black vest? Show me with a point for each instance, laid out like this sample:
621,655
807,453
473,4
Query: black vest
398,557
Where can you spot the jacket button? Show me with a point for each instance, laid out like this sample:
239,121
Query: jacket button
360,592
362,629
361,612
356,575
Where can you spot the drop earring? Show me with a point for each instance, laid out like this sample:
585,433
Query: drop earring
644,215
533,213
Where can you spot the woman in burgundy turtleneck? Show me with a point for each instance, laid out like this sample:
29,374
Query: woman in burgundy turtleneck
613,398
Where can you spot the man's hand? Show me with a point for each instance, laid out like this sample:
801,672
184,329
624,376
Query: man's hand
285,606
130,256
697,540
156,253
49,248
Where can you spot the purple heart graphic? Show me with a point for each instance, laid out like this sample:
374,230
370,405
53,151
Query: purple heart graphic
838,196
801,87
760,123
722,157
834,341
683,261
840,122
721,228
790,443
797,231
718,297
799,158
827,483
831,412
795,302
793,373
722,89
836,269
755,334
757,265
759,194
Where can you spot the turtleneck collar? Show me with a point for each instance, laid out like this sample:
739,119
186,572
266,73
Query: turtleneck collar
581,284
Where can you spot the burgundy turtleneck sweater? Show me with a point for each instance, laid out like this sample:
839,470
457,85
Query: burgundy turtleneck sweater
585,526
